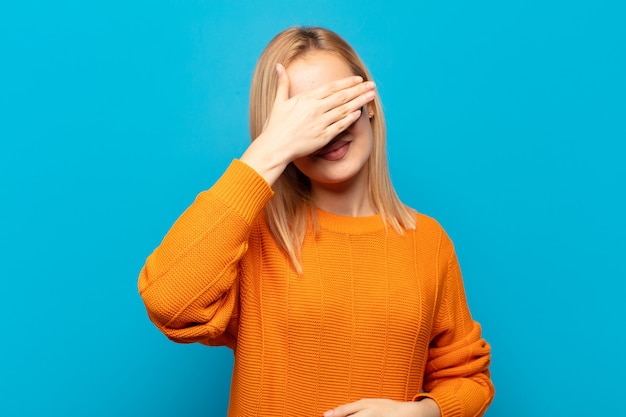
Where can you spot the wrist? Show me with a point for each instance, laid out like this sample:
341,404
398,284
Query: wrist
428,408
270,165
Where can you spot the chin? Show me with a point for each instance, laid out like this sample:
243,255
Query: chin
353,166
337,175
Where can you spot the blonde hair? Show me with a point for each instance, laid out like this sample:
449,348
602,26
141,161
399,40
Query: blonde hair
288,211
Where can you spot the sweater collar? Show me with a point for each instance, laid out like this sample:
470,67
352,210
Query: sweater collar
347,224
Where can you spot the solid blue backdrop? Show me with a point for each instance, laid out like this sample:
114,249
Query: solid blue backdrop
506,123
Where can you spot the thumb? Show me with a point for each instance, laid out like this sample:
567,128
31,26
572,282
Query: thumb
282,92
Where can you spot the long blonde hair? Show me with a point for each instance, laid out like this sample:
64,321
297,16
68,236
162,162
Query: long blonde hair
288,211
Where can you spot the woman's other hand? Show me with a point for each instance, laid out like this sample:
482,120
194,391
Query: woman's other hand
375,407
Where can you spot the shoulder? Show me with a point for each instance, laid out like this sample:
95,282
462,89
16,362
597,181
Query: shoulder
425,221
429,231
427,224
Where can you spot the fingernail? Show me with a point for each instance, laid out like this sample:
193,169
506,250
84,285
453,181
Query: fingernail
357,79
329,413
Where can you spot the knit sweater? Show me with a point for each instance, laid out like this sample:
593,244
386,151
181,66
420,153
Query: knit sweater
374,314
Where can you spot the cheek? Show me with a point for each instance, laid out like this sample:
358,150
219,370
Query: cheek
303,165
363,129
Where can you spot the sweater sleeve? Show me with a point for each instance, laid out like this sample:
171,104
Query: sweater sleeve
457,371
189,284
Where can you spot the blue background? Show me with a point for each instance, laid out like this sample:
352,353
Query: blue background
506,123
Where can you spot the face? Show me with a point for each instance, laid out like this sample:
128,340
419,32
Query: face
344,161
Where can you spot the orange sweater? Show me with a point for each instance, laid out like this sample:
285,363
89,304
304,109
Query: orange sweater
374,315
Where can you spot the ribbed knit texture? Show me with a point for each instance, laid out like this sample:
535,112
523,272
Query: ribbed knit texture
374,315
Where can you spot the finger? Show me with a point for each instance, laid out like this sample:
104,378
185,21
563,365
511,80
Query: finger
350,93
338,113
282,92
345,409
341,125
333,87
348,100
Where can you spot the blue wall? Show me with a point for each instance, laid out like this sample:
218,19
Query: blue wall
506,123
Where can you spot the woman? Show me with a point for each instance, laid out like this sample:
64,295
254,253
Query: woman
337,299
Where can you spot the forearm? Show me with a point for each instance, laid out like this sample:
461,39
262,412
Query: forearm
457,372
463,396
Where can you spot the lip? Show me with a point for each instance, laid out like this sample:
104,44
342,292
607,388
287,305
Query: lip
334,151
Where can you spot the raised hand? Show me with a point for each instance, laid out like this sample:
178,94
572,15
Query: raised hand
302,124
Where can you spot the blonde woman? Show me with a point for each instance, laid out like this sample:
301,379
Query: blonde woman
336,298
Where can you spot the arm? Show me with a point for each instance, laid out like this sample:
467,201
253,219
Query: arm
457,374
189,283
456,377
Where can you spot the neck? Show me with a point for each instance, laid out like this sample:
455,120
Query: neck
343,199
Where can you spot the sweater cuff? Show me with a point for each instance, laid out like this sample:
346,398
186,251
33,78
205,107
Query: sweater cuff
449,405
243,189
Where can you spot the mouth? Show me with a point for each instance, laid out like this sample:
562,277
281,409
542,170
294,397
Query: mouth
334,151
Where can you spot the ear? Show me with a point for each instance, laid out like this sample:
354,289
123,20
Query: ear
370,110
